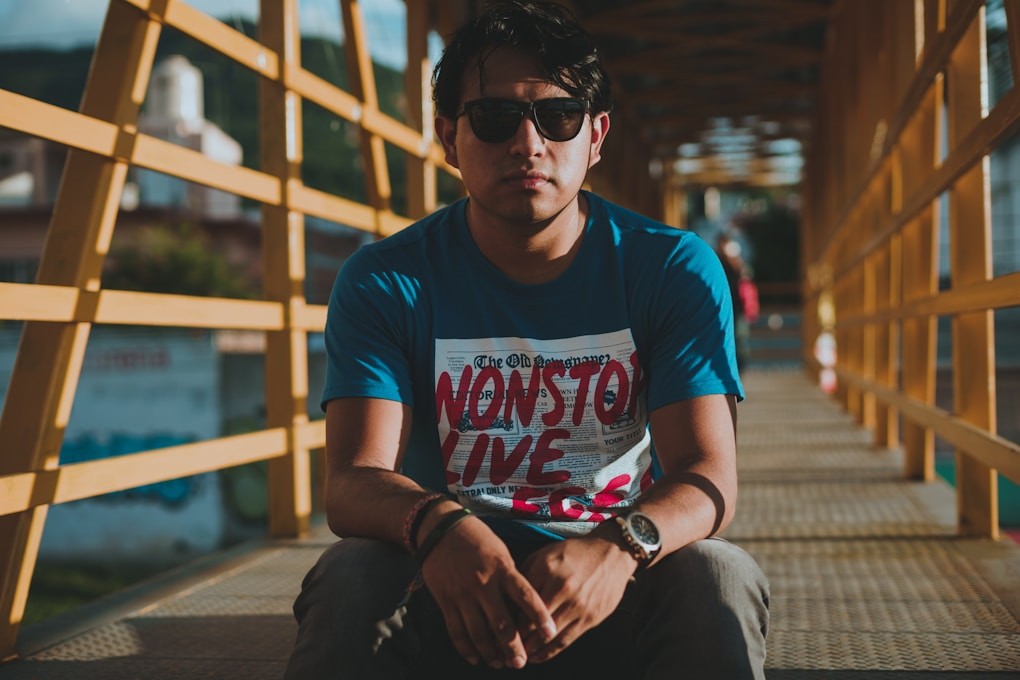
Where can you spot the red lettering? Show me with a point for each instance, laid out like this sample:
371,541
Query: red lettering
523,400
637,384
484,421
583,372
452,401
476,459
522,496
544,454
609,496
560,504
555,415
607,417
501,468
448,446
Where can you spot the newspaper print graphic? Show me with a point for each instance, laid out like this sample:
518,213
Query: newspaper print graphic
552,431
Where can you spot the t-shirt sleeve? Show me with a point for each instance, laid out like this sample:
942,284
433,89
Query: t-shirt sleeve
366,326
693,351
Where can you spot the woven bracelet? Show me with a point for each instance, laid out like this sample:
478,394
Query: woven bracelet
448,522
415,517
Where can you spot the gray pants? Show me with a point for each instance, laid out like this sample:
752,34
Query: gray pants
701,612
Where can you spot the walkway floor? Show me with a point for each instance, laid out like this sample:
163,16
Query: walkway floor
868,579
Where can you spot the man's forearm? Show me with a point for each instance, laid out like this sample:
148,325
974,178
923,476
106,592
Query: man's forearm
370,502
686,506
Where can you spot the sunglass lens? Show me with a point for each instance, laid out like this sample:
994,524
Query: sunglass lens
495,121
559,119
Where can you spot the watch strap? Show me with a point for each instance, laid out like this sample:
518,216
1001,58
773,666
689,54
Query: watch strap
637,551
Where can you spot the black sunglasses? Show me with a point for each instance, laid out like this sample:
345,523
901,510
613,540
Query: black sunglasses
496,120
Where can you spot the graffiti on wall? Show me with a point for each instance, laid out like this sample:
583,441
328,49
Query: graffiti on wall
173,493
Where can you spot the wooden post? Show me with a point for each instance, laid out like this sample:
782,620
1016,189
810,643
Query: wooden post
283,257
421,174
919,149
869,338
973,334
887,421
362,80
49,358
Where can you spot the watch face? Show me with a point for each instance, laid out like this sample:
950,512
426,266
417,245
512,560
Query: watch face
644,529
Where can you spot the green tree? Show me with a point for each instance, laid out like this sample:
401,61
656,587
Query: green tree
179,260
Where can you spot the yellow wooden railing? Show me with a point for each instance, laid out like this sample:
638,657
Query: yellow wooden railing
905,134
67,298
870,234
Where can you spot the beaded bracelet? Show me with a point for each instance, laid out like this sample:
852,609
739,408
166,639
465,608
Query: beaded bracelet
448,522
414,519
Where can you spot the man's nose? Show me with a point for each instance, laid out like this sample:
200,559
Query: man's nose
527,141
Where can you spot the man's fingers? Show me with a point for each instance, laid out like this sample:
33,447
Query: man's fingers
504,631
459,637
483,637
532,608
553,647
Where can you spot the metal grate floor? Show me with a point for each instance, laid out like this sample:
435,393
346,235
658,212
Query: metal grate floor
868,578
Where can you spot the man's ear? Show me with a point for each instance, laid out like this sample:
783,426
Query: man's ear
599,130
446,133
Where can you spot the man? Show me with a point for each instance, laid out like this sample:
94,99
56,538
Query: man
557,365
743,293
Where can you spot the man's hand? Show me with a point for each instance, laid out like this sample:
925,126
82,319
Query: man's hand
581,581
473,579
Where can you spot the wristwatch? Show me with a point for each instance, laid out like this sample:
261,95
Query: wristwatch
641,537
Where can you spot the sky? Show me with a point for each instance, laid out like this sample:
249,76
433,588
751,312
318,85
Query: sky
67,23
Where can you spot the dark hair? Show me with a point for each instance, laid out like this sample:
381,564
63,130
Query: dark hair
567,53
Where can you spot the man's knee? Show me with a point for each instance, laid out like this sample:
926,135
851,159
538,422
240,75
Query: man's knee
715,560
348,607
707,611
357,574
708,574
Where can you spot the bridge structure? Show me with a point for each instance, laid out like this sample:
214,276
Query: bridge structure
899,120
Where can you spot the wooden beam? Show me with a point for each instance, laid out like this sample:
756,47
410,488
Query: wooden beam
100,137
934,57
283,260
213,33
69,304
28,490
752,39
989,449
49,358
998,293
362,79
970,254
421,172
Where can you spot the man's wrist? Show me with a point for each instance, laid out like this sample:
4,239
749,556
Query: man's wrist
415,517
446,523
433,516
608,534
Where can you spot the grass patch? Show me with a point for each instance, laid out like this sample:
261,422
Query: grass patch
57,588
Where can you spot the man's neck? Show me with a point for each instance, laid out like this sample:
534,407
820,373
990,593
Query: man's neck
531,253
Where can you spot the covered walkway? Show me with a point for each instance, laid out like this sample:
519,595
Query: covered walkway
892,124
869,578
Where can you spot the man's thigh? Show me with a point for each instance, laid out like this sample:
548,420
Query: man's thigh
604,651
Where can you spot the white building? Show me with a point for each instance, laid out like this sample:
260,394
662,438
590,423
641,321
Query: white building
174,110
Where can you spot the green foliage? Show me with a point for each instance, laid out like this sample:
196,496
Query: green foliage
772,229
57,588
180,261
332,157
54,76
775,239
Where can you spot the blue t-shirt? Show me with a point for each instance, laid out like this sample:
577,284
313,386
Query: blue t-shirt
531,402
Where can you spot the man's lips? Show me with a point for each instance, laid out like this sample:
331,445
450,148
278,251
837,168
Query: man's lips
530,177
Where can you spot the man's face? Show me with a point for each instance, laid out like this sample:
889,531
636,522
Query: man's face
526,179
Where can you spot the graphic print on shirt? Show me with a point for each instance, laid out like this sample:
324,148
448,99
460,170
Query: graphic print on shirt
550,430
